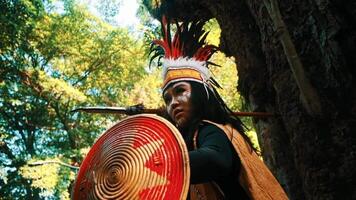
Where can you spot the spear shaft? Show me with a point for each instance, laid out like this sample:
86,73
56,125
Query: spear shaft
138,109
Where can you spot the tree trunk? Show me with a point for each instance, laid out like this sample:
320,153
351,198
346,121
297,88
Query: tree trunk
313,155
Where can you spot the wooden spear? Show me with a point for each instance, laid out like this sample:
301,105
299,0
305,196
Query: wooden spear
138,109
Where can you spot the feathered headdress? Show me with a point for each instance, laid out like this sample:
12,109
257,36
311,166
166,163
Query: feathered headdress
186,56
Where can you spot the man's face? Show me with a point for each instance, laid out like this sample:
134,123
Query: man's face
179,104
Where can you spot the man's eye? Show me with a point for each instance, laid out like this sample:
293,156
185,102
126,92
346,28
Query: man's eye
180,90
167,99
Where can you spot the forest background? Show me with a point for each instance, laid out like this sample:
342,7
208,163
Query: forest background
56,56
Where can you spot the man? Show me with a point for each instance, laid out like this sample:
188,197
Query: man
222,162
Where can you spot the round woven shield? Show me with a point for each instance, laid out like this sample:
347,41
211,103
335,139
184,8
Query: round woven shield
141,157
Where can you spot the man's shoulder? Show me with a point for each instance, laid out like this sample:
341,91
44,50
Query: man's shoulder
207,128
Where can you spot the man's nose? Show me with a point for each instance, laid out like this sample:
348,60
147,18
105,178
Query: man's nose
174,102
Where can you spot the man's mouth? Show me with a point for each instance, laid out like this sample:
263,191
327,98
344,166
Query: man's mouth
177,113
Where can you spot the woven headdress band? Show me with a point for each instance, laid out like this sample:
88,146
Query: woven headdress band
185,57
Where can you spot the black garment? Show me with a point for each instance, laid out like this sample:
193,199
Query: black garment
216,160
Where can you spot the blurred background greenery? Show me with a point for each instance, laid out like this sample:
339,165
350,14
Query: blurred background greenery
56,55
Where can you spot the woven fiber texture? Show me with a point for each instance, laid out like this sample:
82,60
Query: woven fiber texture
140,157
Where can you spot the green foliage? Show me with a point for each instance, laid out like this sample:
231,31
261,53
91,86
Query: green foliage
17,20
52,62
148,90
50,178
150,27
43,176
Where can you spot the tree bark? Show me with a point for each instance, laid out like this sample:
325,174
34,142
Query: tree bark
313,156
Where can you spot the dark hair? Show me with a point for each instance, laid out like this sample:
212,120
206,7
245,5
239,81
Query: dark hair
211,108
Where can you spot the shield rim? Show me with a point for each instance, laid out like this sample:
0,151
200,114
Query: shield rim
177,135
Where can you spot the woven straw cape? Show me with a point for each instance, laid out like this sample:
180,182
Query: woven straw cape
254,176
